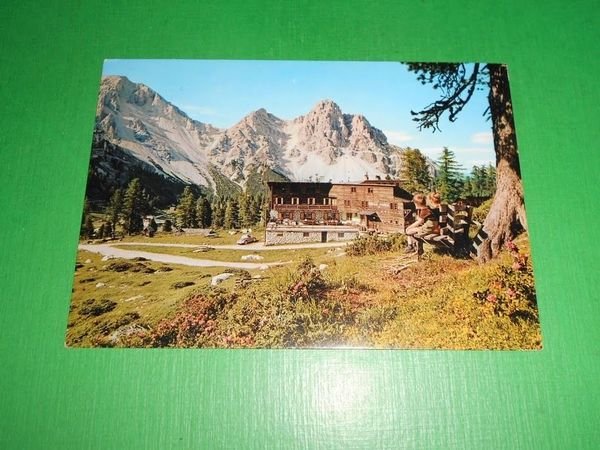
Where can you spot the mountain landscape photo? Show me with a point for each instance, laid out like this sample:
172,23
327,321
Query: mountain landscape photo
263,204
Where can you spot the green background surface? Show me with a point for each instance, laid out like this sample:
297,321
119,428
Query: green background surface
53,397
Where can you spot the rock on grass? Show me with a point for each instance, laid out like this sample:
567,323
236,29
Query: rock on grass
182,284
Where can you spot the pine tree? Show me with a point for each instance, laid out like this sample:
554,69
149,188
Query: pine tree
186,209
457,83
115,208
89,227
414,172
203,213
218,213
490,180
449,179
246,218
84,218
133,207
108,230
230,219
257,208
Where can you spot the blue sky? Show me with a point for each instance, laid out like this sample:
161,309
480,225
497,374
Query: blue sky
222,92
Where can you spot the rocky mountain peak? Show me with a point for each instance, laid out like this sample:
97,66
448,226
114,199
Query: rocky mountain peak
165,140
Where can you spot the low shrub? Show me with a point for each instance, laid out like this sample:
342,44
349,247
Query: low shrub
91,307
308,281
373,245
195,323
124,266
512,291
182,284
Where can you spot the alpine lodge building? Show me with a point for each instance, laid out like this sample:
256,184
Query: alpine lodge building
303,212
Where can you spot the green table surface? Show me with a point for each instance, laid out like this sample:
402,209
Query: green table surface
53,397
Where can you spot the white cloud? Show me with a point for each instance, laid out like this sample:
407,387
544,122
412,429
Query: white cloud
397,137
483,137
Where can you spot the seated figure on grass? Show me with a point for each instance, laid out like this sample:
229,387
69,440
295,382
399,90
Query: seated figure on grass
428,216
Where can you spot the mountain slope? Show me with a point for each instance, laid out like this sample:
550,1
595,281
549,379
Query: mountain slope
325,144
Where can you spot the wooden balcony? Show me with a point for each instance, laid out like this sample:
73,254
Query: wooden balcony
304,207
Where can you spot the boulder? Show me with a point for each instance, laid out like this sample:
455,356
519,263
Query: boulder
220,278
252,258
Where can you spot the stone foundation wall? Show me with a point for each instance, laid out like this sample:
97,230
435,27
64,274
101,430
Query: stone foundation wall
279,237
275,237
333,236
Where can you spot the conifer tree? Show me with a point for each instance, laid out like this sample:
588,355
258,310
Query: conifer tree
457,83
414,172
449,179
230,219
108,230
246,218
203,212
257,208
89,227
490,180
218,213
186,209
133,207
84,218
115,208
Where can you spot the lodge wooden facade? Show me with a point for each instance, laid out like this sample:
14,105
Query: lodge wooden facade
372,204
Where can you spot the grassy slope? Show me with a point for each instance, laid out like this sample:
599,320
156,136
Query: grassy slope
148,294
222,238
428,305
271,255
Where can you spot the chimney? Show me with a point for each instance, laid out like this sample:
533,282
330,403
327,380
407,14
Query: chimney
378,177
366,175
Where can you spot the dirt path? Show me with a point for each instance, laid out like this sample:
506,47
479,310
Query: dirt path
109,250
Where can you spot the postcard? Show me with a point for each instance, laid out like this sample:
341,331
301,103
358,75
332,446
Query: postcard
304,204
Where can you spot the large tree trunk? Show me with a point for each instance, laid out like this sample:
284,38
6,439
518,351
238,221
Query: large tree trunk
507,213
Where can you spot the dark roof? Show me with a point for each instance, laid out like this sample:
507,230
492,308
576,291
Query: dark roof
380,182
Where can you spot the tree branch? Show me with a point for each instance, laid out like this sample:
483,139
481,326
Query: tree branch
453,102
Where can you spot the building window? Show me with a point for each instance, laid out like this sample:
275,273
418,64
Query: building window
295,201
279,234
326,200
348,216
352,189
364,204
370,190
393,205
311,201
305,234
340,235
346,202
